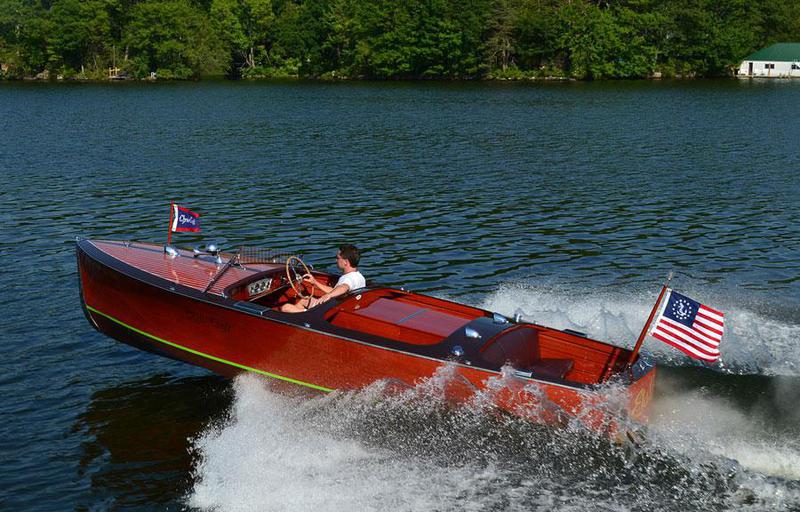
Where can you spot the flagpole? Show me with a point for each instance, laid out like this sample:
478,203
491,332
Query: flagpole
643,334
169,228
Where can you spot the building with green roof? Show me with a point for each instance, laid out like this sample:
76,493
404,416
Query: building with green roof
781,60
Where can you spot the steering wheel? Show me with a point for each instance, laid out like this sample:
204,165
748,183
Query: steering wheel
294,277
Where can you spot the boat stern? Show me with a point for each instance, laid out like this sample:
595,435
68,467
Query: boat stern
642,387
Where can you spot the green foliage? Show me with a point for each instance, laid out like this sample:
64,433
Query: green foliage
296,36
389,39
175,39
244,26
79,35
780,22
23,29
411,39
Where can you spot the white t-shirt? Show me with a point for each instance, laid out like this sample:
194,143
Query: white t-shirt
354,280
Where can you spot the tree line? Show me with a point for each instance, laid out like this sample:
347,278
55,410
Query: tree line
388,39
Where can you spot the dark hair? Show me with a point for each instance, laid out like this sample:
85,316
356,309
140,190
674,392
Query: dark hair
350,253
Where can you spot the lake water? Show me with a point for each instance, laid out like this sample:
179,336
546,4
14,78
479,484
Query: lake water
568,201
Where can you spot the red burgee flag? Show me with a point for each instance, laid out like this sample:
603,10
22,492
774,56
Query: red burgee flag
184,219
690,326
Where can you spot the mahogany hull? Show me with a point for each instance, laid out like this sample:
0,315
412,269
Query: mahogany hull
210,331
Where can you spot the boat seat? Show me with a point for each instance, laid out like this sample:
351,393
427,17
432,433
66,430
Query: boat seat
552,368
520,348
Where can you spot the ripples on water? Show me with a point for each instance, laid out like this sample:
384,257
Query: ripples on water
568,201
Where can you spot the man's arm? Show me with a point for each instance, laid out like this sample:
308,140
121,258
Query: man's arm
334,292
313,280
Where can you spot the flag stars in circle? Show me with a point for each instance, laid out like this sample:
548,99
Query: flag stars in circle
682,309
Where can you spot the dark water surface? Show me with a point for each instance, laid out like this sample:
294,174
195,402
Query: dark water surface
568,201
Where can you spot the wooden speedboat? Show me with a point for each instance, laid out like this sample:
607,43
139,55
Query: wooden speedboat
221,312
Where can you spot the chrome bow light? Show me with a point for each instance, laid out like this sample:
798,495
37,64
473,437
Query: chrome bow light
469,332
211,249
499,319
214,250
171,251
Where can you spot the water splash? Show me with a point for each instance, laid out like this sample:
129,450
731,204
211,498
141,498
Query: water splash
406,448
697,422
755,342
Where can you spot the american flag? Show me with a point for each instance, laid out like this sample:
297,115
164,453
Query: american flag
690,326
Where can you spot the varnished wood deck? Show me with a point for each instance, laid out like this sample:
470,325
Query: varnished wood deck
185,269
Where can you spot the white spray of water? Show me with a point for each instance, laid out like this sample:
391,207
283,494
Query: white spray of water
280,453
368,451
275,452
753,343
694,423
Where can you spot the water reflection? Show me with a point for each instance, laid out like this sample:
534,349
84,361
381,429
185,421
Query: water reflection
137,436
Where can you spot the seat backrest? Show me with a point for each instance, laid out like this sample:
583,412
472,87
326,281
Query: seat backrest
520,347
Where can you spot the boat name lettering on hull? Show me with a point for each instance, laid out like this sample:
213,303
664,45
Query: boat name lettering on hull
197,318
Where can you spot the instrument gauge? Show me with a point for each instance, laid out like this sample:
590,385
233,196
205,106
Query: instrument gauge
258,287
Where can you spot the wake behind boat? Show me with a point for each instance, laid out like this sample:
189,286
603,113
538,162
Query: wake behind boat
222,312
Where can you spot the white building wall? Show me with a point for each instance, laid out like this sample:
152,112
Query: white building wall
762,68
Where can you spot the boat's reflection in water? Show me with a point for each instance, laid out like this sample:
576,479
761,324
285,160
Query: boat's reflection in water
137,455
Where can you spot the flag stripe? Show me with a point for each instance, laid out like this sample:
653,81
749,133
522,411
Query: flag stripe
666,331
708,351
710,332
702,313
685,349
689,346
685,332
711,325
713,311
174,217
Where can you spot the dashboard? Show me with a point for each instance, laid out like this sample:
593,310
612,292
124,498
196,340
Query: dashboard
256,288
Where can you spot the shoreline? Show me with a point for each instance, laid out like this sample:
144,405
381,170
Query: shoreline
361,79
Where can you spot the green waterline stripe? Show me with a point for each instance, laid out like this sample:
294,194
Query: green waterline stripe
207,356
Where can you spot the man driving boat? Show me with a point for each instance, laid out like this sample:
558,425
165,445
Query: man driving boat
347,260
